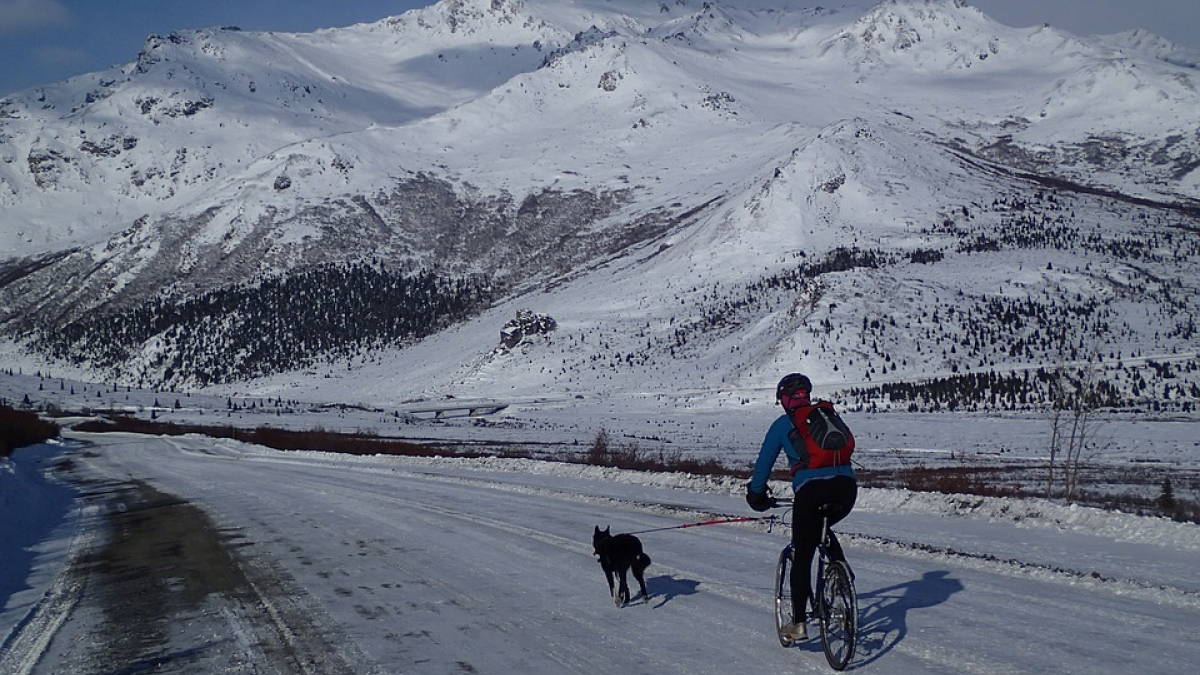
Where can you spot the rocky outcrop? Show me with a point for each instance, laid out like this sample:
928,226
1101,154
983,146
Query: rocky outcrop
526,324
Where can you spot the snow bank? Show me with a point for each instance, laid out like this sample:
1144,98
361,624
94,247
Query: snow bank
1037,513
32,507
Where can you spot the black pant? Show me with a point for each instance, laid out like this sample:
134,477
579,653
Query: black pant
806,530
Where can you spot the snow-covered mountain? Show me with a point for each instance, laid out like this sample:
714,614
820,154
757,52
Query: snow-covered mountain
694,191
1141,41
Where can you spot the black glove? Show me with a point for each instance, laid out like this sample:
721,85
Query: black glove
759,501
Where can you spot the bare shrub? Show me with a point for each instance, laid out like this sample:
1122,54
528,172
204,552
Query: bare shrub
279,439
603,452
19,428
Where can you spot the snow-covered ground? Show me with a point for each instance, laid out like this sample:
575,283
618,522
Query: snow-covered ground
1135,452
436,566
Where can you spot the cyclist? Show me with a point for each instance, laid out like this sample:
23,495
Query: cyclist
813,488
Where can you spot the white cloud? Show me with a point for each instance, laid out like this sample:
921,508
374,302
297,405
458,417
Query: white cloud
22,15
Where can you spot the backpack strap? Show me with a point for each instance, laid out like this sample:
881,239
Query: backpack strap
799,436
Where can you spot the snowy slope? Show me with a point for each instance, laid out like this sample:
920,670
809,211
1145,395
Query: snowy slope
198,110
434,566
695,192
1144,42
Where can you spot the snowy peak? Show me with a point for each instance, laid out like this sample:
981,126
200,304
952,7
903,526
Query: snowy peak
201,109
158,49
830,177
1146,43
197,107
582,41
490,19
710,22
946,34
472,15
1113,91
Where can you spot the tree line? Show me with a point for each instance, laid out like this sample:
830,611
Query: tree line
277,324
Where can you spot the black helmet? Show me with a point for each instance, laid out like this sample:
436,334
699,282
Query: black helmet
792,383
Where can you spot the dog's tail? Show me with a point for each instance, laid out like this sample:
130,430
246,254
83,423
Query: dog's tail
643,560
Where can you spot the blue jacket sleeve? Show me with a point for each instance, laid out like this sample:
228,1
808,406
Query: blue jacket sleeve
775,441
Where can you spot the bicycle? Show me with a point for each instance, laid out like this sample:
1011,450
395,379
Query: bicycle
835,603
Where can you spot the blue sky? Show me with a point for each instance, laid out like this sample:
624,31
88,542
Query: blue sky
44,41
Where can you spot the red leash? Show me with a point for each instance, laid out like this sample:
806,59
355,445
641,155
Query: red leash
709,522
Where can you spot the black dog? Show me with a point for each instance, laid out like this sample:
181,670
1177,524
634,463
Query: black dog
619,554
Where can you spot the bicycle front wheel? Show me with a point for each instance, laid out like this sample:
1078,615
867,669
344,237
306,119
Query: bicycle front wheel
838,612
783,594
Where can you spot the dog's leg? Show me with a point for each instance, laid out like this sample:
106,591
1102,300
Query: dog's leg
623,594
639,573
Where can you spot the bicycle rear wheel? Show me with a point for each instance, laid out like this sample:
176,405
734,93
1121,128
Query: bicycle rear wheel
838,612
783,594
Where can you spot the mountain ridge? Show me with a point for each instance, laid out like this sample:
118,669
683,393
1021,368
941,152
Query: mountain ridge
711,191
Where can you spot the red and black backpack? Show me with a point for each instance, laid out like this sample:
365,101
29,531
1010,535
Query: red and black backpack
819,436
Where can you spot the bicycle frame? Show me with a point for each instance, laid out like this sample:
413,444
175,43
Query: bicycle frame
834,603
822,560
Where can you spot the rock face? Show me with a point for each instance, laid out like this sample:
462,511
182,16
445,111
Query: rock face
527,323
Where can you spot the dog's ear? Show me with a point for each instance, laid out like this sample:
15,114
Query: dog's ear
597,530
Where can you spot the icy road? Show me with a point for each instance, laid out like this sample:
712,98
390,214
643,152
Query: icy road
330,564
